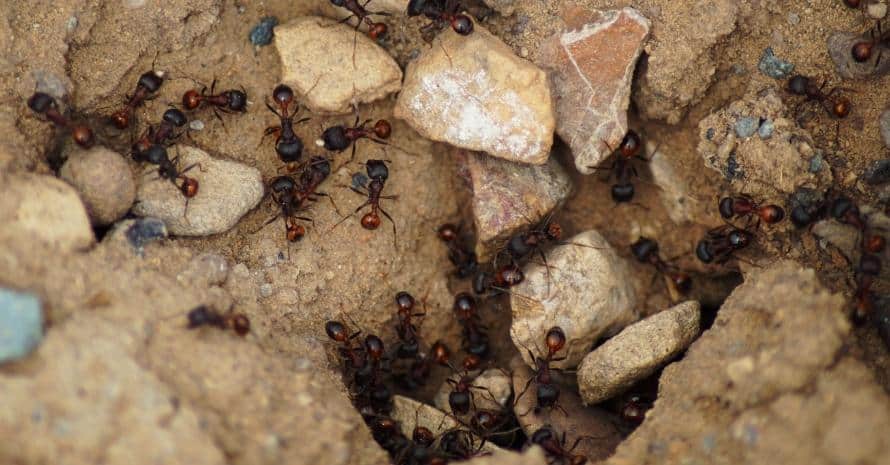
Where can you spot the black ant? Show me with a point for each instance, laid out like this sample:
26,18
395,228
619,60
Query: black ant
284,191
645,250
500,280
409,346
169,169
719,243
147,85
378,173
547,395
459,254
339,138
375,30
162,134
623,168
441,13
457,445
475,339
845,211
838,107
743,206
461,397
350,353
44,104
288,145
554,446
204,316
229,101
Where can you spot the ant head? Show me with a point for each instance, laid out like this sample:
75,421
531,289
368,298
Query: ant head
290,150
319,165
682,281
404,301
283,185
423,436
283,94
484,420
471,362
151,81
519,246
875,243
853,3
382,129
41,102
644,249
447,232
121,118
547,395
237,100
191,99
703,251
841,107
295,231
841,206
511,275
198,316
175,117
371,220
381,395
189,187
622,192
462,24
861,51
553,231
416,7
338,2
725,206
459,401
156,154
772,214
336,331
798,84
870,264
335,138
739,238
801,216
555,340
464,305
377,170
630,145
543,435
83,136
167,170
377,30
374,346
241,324
441,353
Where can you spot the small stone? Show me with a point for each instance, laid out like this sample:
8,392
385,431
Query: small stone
317,57
773,66
144,230
839,46
42,210
21,324
205,270
474,93
765,131
816,163
498,393
793,18
509,197
226,191
637,351
884,123
104,180
592,68
587,293
261,34
878,173
266,290
877,10
196,125
746,126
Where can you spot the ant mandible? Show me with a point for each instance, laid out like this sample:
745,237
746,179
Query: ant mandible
205,316
720,243
288,145
147,85
339,138
441,12
375,30
229,101
44,104
378,173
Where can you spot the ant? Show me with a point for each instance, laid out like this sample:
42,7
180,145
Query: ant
475,339
284,191
554,446
405,329
845,211
623,168
744,206
147,85
378,173
169,169
441,13
836,106
634,409
339,138
547,395
44,104
375,30
461,397
463,259
719,243
348,353
288,145
162,134
645,250
204,316
862,50
229,101
500,280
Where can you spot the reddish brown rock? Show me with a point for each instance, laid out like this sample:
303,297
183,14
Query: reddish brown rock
509,197
592,67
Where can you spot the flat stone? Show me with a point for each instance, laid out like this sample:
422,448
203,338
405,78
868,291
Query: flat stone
587,293
496,381
226,191
473,92
839,46
510,197
592,67
21,324
317,59
104,180
637,351
38,210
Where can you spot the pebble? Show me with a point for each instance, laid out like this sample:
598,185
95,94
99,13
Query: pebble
261,34
884,123
816,163
589,296
765,131
38,210
227,190
205,270
510,197
317,54
839,45
104,181
746,126
21,324
592,68
878,173
141,231
637,351
474,93
877,10
773,66
496,381
196,125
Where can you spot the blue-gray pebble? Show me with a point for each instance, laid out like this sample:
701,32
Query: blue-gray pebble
261,34
773,66
746,126
143,231
766,129
21,324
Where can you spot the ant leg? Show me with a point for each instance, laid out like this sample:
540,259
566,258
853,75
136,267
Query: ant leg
331,199
345,19
358,191
395,241
352,158
367,202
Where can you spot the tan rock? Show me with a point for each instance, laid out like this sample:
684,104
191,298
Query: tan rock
104,180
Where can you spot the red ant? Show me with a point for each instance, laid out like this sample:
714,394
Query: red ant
147,85
375,30
378,173
719,243
844,210
348,352
869,268
407,332
204,316
547,395
862,50
339,138
554,446
229,101
441,13
500,280
744,206
288,145
475,339
623,168
460,256
461,397
634,409
836,106
44,104
284,191
645,250
162,134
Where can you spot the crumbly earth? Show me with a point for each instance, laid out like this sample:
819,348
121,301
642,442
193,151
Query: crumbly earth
118,376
